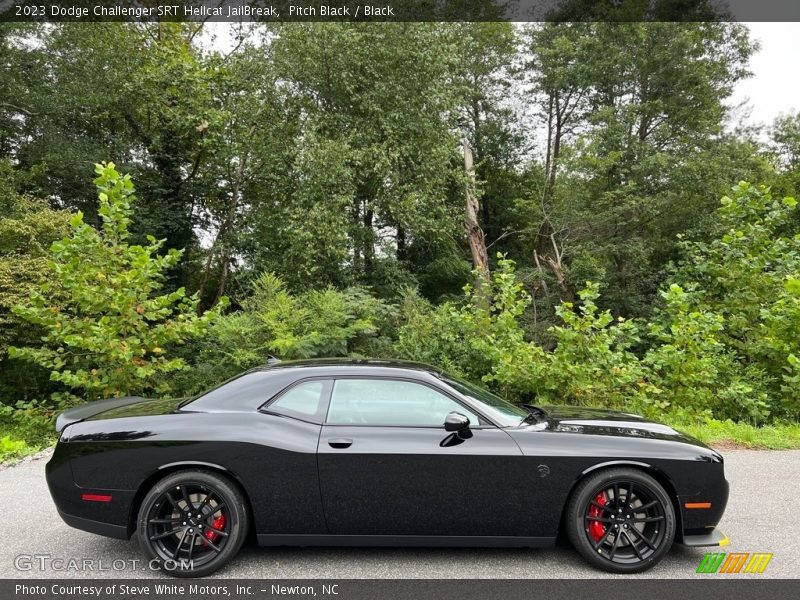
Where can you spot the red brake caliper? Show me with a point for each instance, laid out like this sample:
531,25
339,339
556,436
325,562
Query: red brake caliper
596,529
218,523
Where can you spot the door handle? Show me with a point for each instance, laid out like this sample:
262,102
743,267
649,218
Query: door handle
340,442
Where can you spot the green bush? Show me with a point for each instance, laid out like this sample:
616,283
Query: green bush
107,329
472,339
273,321
590,365
11,448
24,432
747,280
27,228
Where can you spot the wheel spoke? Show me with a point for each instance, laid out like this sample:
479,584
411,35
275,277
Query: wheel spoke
172,500
161,536
644,539
217,531
602,540
178,549
648,519
204,502
598,519
600,506
189,505
214,510
614,547
616,494
165,521
646,506
633,545
191,545
212,545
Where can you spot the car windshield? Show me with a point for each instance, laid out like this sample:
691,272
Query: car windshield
501,411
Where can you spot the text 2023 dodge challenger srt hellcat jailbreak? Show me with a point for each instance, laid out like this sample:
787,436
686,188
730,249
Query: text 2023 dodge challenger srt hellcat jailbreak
376,453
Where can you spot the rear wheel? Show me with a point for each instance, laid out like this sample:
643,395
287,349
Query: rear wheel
192,523
621,520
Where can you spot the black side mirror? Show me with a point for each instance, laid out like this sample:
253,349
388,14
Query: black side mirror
455,422
458,423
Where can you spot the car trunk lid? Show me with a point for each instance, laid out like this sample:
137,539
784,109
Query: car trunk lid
126,406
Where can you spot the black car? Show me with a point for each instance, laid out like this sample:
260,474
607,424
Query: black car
377,453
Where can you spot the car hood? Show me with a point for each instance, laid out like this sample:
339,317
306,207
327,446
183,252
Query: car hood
600,421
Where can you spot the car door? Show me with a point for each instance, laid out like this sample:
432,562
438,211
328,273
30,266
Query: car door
388,467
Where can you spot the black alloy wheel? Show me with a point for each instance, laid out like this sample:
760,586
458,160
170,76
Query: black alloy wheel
621,520
192,522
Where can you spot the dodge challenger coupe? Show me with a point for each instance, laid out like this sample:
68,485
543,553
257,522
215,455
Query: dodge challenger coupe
377,453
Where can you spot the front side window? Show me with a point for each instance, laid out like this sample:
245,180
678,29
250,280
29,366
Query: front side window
501,411
391,402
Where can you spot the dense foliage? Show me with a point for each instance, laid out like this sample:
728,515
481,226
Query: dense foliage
105,324
319,176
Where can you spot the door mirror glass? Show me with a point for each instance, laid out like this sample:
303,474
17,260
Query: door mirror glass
456,422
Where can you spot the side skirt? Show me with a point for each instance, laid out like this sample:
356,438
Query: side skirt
422,541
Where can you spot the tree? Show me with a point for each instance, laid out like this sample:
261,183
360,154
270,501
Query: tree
107,330
377,152
138,93
786,142
786,136
645,118
561,73
27,228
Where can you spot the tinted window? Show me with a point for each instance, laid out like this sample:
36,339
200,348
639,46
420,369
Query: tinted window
494,407
249,388
303,401
389,402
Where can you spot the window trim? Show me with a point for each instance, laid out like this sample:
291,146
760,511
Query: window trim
324,402
486,423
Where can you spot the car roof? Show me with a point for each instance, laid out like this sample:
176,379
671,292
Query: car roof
273,378
350,364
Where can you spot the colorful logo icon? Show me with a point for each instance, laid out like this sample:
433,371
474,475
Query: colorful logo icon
734,562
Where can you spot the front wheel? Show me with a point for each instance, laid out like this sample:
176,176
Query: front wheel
621,520
192,522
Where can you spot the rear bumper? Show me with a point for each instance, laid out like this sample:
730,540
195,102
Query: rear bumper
119,532
713,538
109,518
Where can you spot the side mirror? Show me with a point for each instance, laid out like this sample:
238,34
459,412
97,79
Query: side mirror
456,422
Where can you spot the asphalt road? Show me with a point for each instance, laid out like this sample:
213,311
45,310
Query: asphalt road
762,516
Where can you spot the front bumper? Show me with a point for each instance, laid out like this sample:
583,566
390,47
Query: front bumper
698,521
714,537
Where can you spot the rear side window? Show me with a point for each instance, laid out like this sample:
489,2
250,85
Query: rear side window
249,388
302,401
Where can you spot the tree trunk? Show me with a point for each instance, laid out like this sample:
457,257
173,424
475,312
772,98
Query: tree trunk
477,241
369,243
402,252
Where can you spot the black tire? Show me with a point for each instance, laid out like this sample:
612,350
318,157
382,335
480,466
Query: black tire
620,520
196,542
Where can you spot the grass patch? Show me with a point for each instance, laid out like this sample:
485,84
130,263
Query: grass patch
772,437
23,433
